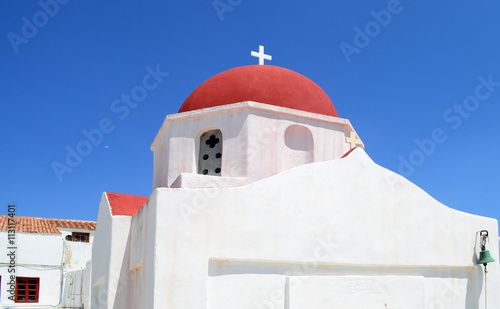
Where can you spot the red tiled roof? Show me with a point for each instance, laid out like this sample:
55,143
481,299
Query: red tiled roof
125,204
74,224
43,225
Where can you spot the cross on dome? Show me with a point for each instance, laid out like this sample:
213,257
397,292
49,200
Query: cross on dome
261,55
354,140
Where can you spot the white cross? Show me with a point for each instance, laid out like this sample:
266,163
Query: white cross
261,55
354,140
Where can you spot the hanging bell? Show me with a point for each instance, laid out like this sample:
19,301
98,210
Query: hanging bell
485,257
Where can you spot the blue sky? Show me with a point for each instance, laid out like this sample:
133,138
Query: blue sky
419,81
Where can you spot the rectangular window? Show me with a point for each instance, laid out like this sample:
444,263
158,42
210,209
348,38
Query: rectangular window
27,290
81,237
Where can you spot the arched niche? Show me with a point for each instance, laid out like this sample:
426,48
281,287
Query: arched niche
299,147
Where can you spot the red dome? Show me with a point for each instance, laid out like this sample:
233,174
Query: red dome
264,84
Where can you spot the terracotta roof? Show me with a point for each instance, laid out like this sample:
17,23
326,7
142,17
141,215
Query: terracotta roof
74,224
125,204
44,225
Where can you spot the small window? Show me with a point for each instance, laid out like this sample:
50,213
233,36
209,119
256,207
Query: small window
27,290
80,237
210,156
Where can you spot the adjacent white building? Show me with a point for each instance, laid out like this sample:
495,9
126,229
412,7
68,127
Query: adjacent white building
264,197
50,259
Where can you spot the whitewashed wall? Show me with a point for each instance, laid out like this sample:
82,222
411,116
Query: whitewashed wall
73,289
364,232
271,234
109,254
77,254
254,143
38,255
68,231
101,256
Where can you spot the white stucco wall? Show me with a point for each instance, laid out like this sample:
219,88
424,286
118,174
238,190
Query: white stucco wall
101,256
39,256
346,227
109,255
142,263
77,254
87,285
76,288
48,246
68,231
253,143
271,234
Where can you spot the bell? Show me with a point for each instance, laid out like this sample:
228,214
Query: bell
485,257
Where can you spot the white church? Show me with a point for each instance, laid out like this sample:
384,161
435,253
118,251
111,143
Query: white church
264,198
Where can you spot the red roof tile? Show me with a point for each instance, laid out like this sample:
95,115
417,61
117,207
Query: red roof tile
74,224
43,225
125,204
